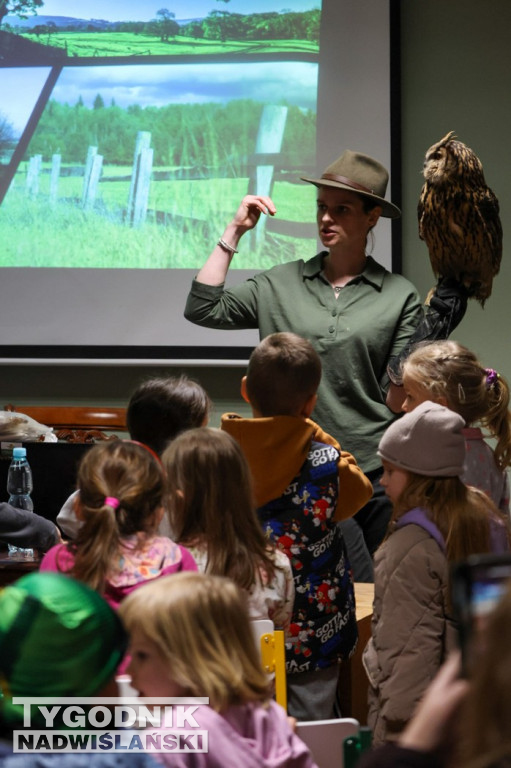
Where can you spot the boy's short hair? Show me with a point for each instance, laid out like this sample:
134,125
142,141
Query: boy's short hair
161,408
283,372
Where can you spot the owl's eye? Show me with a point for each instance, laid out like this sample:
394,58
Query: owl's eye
435,155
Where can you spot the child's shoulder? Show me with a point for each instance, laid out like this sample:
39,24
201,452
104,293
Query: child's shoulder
170,551
420,517
58,558
163,542
153,551
410,559
280,559
409,546
320,436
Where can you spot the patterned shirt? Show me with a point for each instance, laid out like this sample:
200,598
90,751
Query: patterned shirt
323,626
140,559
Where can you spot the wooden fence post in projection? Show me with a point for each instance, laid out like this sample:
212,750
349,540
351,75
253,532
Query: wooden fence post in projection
34,169
268,144
140,179
54,177
93,167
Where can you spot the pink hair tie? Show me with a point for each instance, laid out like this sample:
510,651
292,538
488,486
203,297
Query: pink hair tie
491,377
111,501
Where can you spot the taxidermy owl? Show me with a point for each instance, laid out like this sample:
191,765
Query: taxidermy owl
459,217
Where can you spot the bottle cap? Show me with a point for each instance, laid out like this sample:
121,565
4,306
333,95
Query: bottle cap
19,453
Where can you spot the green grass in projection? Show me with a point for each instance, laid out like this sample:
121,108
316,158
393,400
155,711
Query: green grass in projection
198,176
92,44
68,236
216,32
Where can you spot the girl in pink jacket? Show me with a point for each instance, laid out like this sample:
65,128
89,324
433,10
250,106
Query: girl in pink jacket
120,504
190,636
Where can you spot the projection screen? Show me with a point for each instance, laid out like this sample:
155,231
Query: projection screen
128,137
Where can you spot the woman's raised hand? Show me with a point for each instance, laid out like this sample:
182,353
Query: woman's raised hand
246,217
251,208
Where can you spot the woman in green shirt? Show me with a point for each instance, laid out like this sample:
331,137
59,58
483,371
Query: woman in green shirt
356,313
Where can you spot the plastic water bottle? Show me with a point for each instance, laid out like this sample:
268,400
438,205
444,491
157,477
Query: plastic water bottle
20,486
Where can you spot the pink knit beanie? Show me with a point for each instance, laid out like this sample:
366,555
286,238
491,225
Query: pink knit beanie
428,441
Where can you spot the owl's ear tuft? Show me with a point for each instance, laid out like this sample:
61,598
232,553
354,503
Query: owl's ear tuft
448,137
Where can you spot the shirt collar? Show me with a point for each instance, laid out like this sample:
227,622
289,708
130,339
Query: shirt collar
372,274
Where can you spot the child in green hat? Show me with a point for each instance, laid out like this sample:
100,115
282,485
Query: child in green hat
58,638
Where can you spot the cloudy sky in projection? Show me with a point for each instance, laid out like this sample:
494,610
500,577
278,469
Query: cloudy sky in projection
158,85
143,10
19,91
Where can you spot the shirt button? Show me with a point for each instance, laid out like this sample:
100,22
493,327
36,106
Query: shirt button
331,329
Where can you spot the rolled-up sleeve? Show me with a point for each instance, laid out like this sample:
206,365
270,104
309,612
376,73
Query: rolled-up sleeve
211,306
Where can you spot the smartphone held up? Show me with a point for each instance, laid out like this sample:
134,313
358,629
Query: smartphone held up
477,584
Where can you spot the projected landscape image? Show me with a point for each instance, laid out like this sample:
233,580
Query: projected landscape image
144,28
141,164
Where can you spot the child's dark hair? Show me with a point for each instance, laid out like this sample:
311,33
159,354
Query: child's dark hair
161,408
121,488
448,370
283,372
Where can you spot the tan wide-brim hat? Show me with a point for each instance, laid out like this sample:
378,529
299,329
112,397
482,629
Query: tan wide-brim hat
361,174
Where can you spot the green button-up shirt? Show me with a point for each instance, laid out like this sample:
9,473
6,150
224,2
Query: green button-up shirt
354,334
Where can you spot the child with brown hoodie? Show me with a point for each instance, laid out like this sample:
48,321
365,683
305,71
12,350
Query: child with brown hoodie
304,483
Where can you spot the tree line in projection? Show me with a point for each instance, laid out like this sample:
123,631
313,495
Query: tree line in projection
223,25
217,25
213,135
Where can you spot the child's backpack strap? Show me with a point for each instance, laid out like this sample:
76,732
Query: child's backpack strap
419,516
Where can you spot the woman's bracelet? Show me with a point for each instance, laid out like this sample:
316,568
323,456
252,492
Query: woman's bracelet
226,246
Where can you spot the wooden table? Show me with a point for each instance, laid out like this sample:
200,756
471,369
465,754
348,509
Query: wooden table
14,566
353,681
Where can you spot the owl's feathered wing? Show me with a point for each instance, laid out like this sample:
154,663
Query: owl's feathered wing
459,218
